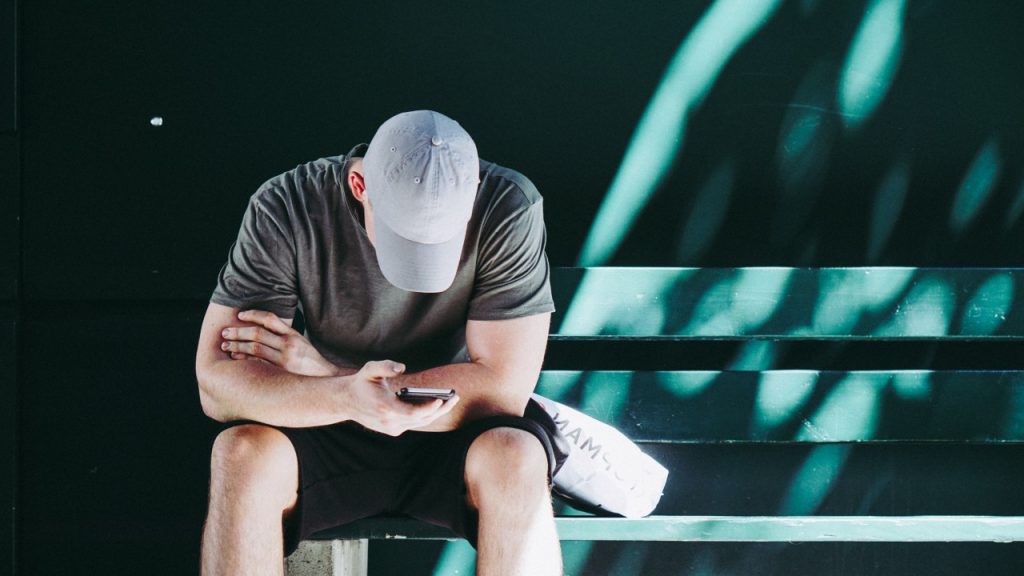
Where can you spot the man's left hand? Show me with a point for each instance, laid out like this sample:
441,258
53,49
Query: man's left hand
273,340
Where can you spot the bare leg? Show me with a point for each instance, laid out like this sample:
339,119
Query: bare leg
506,474
253,484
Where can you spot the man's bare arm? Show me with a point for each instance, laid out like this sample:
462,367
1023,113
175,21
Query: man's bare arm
506,358
231,389
505,361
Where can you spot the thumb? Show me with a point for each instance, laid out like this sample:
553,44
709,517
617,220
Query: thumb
384,369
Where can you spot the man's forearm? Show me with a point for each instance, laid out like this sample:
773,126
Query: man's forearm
258,391
483,391
506,358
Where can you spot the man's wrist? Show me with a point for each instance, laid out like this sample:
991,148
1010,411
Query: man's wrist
340,398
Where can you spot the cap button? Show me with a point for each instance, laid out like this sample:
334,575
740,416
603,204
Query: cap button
436,141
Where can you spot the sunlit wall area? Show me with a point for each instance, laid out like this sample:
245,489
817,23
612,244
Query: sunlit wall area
827,133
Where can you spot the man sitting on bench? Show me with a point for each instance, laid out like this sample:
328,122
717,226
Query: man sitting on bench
410,249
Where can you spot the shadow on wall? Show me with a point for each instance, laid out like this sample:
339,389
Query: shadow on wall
825,131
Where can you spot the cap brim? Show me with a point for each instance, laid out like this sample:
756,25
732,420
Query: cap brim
417,267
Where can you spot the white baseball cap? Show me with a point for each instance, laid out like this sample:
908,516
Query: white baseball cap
421,172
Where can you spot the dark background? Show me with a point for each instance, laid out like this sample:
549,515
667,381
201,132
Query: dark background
112,229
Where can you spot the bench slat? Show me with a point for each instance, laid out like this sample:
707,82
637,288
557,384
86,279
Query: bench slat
799,405
730,529
797,529
788,303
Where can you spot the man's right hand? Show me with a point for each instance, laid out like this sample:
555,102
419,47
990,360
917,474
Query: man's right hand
273,340
375,405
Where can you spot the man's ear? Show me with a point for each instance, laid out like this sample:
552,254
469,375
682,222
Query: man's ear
357,185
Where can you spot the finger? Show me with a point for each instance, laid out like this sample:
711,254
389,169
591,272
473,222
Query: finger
254,334
419,411
240,356
446,407
253,349
268,320
428,418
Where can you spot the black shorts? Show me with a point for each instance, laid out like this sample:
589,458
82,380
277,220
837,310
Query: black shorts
347,472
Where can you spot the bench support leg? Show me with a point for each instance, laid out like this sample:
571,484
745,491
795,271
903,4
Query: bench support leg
329,558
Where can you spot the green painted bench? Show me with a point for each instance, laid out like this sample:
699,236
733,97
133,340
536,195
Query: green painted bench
825,359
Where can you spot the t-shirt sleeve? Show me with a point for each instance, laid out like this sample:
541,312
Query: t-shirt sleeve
260,271
513,276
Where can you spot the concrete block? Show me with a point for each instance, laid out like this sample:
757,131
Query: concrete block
329,558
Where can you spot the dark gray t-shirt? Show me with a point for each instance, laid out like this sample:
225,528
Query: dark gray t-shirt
302,246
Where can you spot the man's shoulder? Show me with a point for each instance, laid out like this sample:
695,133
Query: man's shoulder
303,188
309,176
500,185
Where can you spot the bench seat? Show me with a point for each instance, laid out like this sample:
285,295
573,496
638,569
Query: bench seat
728,529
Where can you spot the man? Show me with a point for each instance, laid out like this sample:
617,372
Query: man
413,263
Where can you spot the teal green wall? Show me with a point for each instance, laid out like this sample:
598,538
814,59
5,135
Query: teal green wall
790,133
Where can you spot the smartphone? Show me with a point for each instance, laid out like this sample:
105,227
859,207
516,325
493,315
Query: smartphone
425,394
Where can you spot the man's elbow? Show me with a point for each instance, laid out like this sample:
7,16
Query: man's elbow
208,400
511,393
211,407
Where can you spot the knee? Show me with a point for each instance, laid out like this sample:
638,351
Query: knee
254,458
505,460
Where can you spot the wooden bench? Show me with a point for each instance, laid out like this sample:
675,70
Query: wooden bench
826,359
